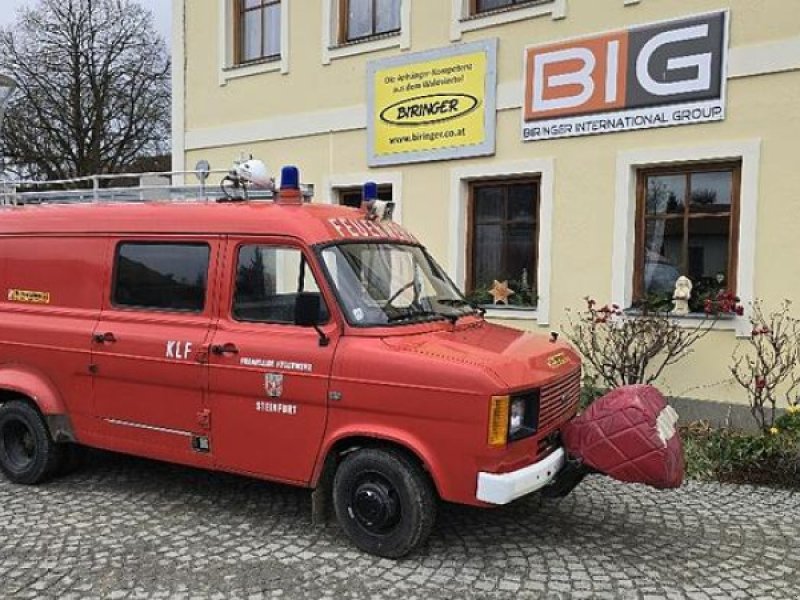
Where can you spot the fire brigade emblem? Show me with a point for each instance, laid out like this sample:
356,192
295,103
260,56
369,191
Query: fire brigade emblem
557,360
273,385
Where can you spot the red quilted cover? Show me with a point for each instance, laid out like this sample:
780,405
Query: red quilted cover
630,435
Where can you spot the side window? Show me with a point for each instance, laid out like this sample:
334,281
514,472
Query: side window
268,280
687,225
159,276
258,30
484,6
364,19
503,243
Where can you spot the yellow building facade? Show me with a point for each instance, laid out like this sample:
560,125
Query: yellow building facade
568,148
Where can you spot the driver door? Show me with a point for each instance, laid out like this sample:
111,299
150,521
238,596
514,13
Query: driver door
269,377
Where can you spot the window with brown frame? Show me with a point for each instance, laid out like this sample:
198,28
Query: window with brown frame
478,7
258,30
360,20
351,196
687,224
503,239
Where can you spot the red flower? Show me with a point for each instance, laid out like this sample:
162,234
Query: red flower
761,383
740,310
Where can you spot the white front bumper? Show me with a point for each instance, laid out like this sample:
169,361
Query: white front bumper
503,488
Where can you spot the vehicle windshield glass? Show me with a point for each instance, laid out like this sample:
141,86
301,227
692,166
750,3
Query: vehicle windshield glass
383,284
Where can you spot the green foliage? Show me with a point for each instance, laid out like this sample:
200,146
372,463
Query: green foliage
656,302
728,455
590,390
788,424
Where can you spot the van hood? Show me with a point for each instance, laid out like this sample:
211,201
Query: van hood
516,358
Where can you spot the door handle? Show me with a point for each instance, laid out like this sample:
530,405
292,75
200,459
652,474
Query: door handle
104,338
224,349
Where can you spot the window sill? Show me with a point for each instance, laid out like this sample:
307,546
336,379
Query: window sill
364,46
511,313
724,322
249,69
557,9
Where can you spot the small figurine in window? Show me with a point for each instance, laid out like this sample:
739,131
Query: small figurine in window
683,292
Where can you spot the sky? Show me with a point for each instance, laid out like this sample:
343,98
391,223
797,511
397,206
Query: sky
162,11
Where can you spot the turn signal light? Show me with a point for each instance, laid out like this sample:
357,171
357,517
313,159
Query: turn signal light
498,421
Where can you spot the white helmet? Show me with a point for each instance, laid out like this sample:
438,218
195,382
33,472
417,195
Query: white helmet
255,172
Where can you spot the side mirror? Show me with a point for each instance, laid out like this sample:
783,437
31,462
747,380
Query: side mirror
306,314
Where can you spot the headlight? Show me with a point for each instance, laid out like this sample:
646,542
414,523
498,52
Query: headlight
516,419
513,418
523,417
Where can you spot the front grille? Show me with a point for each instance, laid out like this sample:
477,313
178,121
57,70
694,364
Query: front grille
559,401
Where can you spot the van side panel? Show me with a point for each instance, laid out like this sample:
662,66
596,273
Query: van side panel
50,296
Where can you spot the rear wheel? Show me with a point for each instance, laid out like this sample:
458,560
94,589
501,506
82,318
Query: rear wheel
27,452
384,502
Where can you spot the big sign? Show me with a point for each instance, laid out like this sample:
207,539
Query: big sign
657,75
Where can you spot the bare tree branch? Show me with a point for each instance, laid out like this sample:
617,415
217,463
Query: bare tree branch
94,88
624,350
767,365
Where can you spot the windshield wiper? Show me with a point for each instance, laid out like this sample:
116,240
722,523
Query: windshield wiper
452,302
413,315
457,302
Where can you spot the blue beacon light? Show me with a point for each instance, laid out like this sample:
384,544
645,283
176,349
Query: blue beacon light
370,191
290,178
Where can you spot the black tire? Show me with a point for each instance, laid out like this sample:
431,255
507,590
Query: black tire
27,452
384,502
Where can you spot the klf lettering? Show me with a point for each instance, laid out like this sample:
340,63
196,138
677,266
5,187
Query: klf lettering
178,350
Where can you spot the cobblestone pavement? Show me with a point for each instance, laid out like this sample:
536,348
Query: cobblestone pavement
130,528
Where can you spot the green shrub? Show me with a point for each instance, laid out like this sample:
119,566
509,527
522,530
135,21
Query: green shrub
729,455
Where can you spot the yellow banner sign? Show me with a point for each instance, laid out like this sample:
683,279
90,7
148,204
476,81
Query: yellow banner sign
433,105
29,297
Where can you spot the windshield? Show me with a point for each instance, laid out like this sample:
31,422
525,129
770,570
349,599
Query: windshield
382,284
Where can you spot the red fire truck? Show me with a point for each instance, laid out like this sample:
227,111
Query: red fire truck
303,343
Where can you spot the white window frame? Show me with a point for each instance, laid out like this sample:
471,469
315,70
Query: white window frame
629,163
333,183
228,69
332,49
460,180
462,21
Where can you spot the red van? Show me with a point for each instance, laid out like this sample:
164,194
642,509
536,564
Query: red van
300,343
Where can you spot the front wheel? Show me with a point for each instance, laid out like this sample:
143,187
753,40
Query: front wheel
384,502
27,452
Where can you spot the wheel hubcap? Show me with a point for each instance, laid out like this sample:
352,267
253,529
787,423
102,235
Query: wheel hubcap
375,506
19,444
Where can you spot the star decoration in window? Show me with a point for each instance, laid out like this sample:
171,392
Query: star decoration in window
500,292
